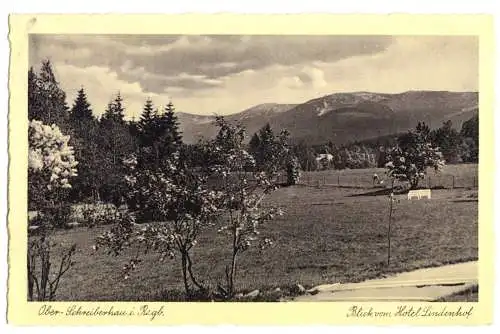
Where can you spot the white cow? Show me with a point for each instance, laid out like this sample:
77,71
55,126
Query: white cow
419,193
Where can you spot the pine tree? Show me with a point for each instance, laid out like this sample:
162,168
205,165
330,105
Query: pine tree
423,130
171,125
85,132
46,100
81,108
119,110
146,125
448,140
147,136
34,111
470,135
133,129
266,134
115,111
265,151
470,128
254,144
168,133
305,155
116,143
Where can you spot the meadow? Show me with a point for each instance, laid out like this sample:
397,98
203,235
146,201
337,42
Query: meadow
452,176
327,234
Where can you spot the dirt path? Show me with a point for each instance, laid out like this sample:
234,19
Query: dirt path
419,285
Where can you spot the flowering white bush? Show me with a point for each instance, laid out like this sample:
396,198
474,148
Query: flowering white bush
51,163
49,156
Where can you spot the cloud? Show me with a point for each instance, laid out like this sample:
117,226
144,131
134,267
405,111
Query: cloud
226,74
212,57
157,83
101,85
411,63
291,82
313,77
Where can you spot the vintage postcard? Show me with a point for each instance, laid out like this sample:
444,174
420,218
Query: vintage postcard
250,169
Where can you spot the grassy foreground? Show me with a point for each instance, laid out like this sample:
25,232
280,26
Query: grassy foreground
327,235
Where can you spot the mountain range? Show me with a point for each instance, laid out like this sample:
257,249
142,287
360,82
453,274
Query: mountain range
345,117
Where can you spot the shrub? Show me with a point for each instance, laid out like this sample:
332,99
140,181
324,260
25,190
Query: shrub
51,164
293,171
241,194
176,198
410,158
98,215
43,275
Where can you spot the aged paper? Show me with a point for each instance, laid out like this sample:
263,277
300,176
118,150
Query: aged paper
302,307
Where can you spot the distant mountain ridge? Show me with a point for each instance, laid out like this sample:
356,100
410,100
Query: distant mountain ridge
344,117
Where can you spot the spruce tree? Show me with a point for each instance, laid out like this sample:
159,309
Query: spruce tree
470,135
119,110
266,146
159,139
254,144
46,100
470,128
448,140
81,108
115,111
116,143
147,133
168,133
171,125
34,111
146,124
84,126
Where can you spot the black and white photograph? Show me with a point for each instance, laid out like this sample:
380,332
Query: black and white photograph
252,168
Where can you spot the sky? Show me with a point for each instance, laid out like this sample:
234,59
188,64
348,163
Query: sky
226,74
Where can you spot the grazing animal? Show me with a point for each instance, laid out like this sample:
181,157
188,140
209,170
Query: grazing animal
419,193
328,157
376,179
324,160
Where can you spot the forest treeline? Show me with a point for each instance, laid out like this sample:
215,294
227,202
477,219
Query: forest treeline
102,143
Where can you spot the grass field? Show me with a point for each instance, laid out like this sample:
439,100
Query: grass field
327,235
452,176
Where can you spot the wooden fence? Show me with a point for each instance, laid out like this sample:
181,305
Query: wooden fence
358,180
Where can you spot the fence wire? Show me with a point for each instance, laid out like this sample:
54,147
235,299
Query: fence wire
365,180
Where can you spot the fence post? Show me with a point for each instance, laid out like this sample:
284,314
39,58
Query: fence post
429,182
453,183
338,180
